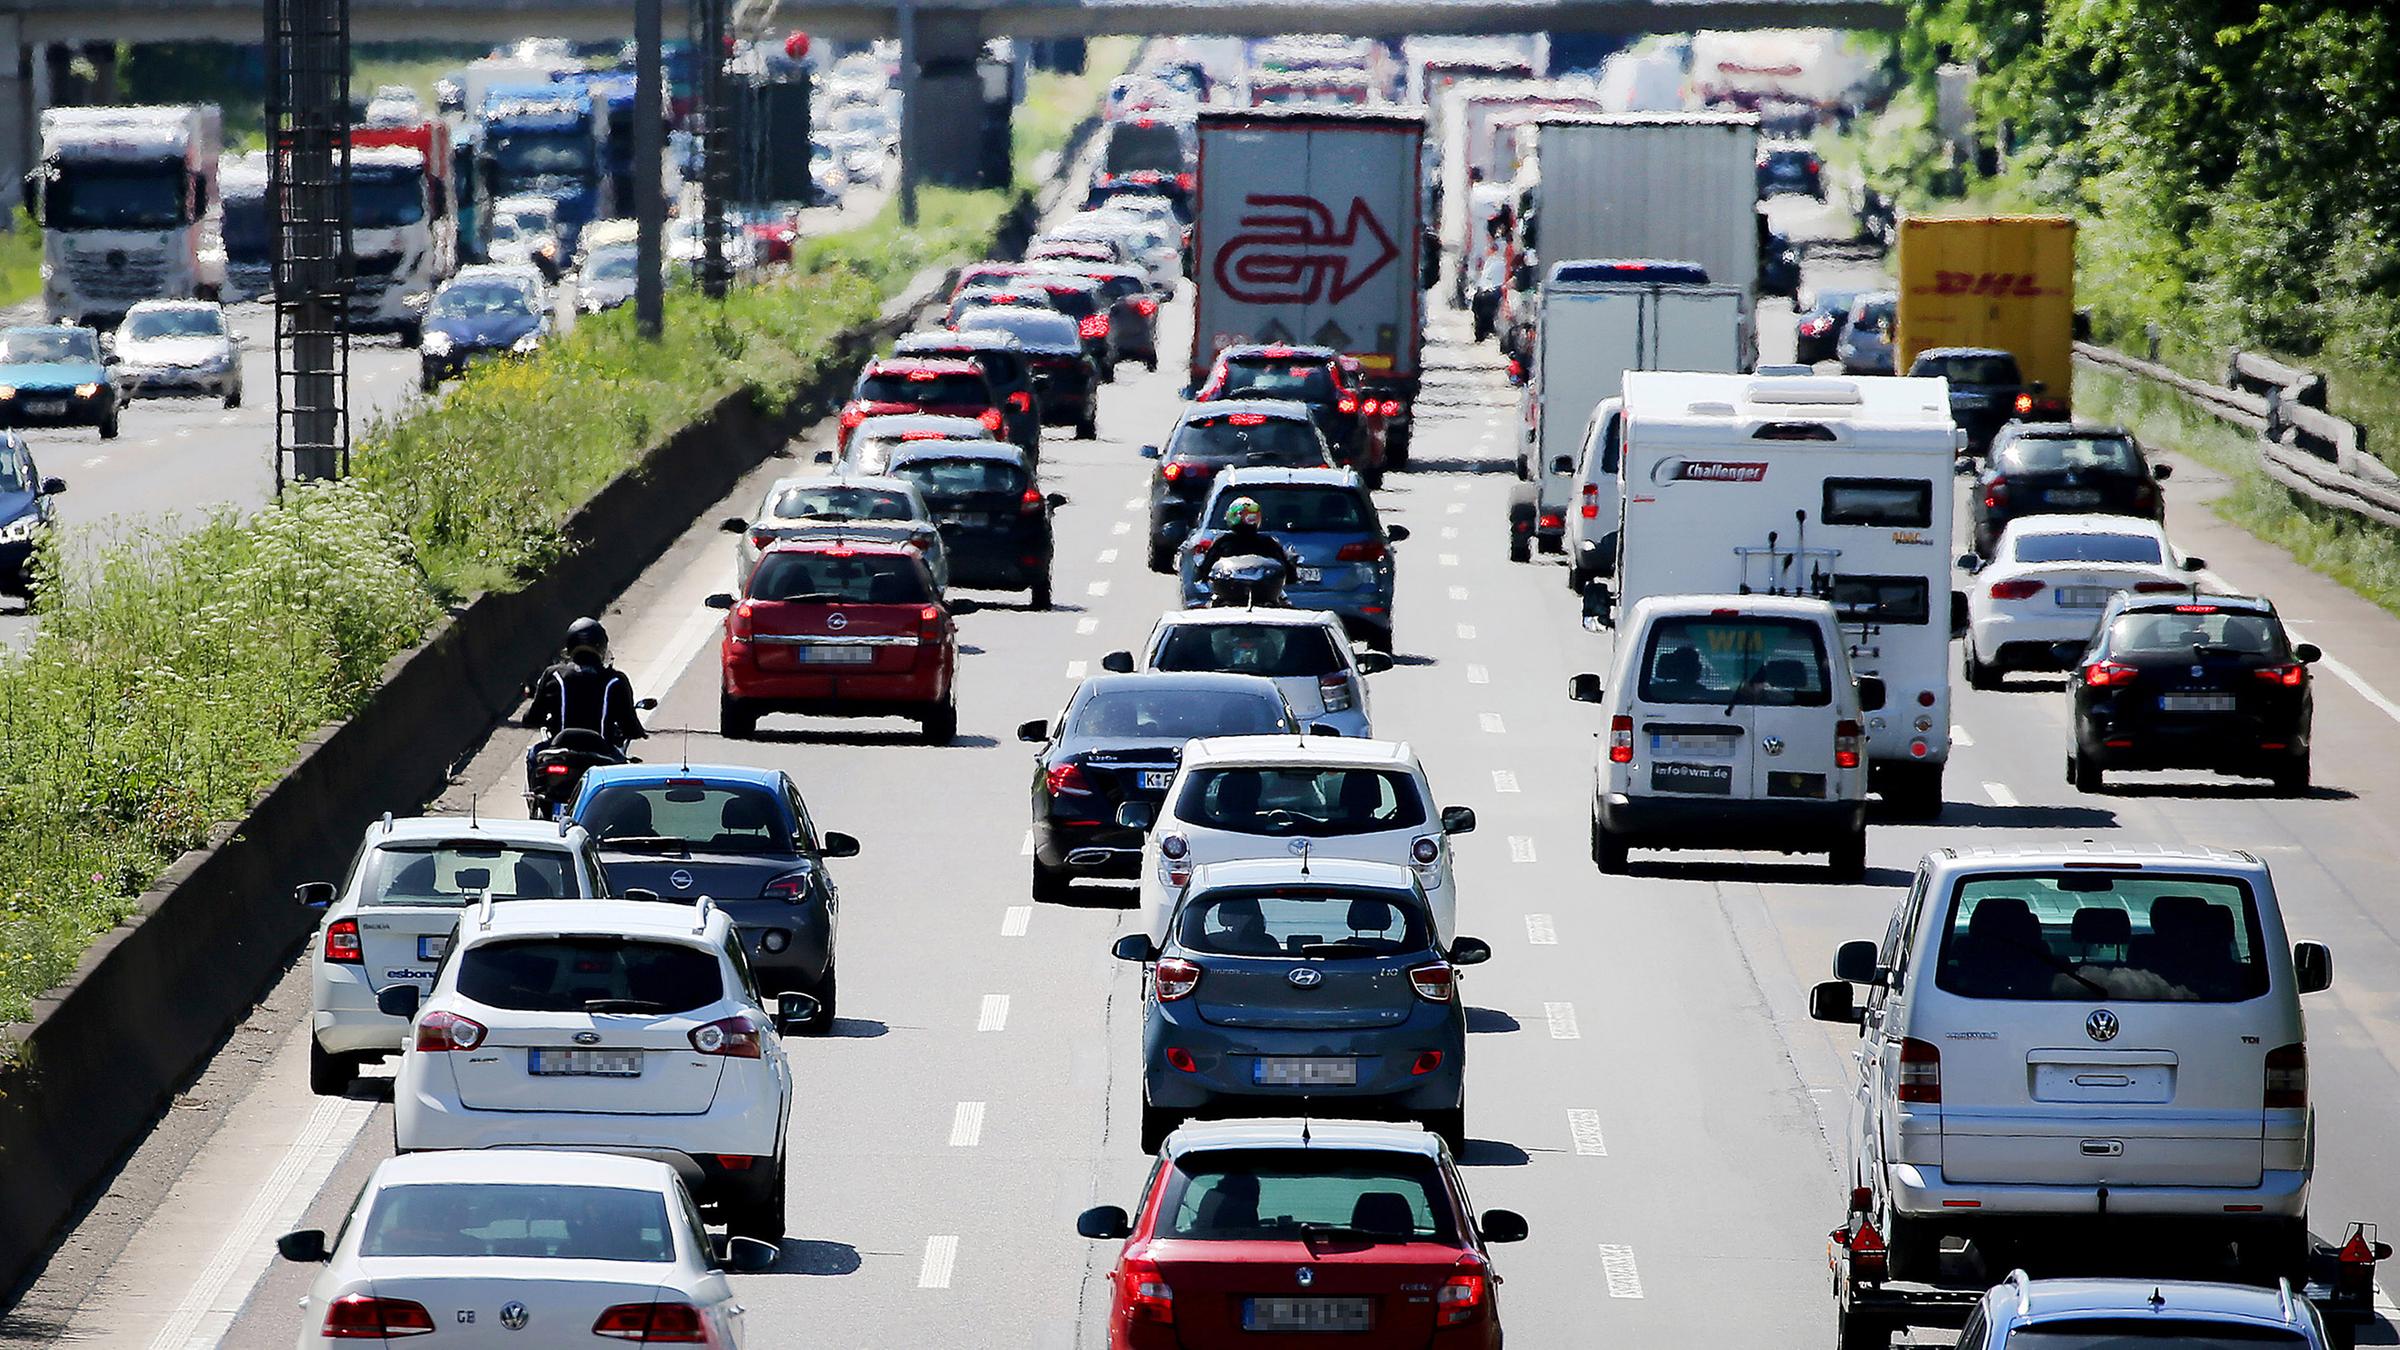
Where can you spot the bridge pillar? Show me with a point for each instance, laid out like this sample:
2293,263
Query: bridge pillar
948,117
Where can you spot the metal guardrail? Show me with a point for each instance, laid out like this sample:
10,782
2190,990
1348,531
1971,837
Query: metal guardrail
2310,451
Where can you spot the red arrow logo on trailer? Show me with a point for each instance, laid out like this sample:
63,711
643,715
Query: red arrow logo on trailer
1289,254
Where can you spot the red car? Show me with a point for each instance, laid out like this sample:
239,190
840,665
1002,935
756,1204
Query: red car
840,629
1263,1234
935,386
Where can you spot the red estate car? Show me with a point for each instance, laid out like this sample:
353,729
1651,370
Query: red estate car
1269,1234
840,629
917,384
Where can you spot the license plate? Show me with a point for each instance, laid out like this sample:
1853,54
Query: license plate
2072,497
48,407
966,518
1701,745
1155,780
837,656
586,1063
2195,702
1295,1071
1309,576
433,947
1308,1314
2084,597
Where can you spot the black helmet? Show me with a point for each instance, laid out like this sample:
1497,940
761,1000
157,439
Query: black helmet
587,635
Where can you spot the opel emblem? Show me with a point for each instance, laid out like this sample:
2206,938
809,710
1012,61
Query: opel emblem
680,879
515,1315
1305,977
587,1038
2198,671
1305,1276
2101,1025
837,621
1773,745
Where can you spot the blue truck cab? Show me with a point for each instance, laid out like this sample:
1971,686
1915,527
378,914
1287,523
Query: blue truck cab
547,140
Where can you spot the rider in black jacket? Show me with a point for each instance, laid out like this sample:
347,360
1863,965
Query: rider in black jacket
583,693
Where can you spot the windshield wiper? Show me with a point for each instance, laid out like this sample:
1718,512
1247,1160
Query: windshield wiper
623,1005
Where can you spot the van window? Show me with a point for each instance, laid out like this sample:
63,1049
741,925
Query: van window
1734,660
1882,599
1899,503
2114,1333
1301,801
456,872
2094,935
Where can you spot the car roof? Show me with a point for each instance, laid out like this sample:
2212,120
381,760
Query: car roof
1248,475
882,482
418,829
2040,1301
630,918
494,272
1285,409
992,450
524,1167
165,306
1225,680
47,328
956,339
1380,1136
748,775
1276,351
1290,618
2169,602
934,365
1284,749
1937,353
896,424
2042,431
2019,857
2086,522
1290,869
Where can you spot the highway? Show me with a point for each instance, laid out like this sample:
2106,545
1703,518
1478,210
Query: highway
1644,1084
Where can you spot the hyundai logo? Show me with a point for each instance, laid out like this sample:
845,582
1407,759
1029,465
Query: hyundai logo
587,1038
1304,1276
2101,1025
1305,977
515,1315
680,879
837,621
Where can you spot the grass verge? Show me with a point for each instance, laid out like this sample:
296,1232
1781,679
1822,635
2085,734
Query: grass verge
21,261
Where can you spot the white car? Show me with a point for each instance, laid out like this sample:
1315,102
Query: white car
855,506
873,440
1264,796
171,348
523,231
575,1248
1304,651
2048,580
620,1026
390,923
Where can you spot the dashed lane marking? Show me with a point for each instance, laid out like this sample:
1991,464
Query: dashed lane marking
1583,1126
1086,626
1133,503
1520,848
1540,931
1108,555
95,461
1617,1268
941,1257
994,1016
1455,509
1458,487
1015,920
1959,736
1458,592
1999,794
1466,632
1491,723
1121,527
1096,588
1503,781
1562,1021
1025,850
966,1131
1075,669
1449,560
1478,675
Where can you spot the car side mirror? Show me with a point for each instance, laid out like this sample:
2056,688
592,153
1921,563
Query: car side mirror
399,1000
1597,600
1395,534
1134,947
1458,820
1859,962
733,525
2312,965
1503,1225
1969,563
1102,1222
1117,663
51,487
2308,653
1832,1002
1324,729
645,705
1149,452
304,1245
2162,472
1585,688
313,894
748,1255
822,457
1871,693
1470,951
720,600
838,845
795,1013
1034,732
1373,663
1137,815
1056,500
2192,564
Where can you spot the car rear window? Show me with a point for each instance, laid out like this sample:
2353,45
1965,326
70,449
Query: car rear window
1118,288
590,974
1307,509
2080,546
1735,661
1275,650
1248,438
512,1219
454,873
2206,627
1074,301
1288,922
2110,1333
1029,324
838,575
1317,802
1271,377
1173,712
1238,1195
2081,935
671,816
840,503
924,387
1968,369
1133,148
2069,454
961,477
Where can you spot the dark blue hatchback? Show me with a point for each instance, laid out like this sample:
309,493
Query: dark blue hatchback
25,512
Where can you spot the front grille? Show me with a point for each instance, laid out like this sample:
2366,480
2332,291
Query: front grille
117,273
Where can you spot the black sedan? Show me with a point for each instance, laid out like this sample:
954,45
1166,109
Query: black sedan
2042,468
1240,433
1987,391
1310,375
1120,741
2208,682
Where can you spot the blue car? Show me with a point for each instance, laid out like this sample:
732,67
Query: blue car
54,375
24,512
1339,545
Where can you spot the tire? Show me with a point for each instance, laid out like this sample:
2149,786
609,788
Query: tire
1847,860
1520,547
1979,675
1157,1125
736,719
1609,849
1396,446
1915,1248
2292,780
1451,1125
329,1075
1049,884
2273,1251
941,725
1576,577
233,398
1558,545
1041,591
1162,558
1088,429
1521,513
108,426
2084,772
1856,1331
761,1218
827,993
1913,791
1150,363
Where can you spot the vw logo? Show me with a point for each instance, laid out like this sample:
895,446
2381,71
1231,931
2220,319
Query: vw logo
1305,977
587,1038
1773,745
515,1315
2101,1025
837,621
680,879
1304,1276
1297,847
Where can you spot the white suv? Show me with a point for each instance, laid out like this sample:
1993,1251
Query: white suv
1267,796
624,1026
391,921
1305,652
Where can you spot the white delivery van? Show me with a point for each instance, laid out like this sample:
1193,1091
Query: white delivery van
1734,723
1831,488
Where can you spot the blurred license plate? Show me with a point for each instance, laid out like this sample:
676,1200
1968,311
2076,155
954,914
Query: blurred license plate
837,656
1702,745
973,518
2195,702
1295,1071
48,407
1308,1314
2072,497
1309,576
588,1063
2084,597
1156,780
433,947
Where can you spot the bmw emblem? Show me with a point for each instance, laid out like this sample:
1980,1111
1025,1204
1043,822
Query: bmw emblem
515,1315
837,621
1304,1277
1305,977
2101,1025
680,879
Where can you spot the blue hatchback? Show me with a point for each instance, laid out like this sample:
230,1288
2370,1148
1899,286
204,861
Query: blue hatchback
1339,544
24,512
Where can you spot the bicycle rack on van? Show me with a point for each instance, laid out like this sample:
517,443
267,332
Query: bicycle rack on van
1781,561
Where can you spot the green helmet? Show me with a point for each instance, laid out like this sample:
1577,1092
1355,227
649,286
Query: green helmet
1243,511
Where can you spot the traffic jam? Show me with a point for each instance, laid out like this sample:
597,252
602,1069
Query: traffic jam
1792,1020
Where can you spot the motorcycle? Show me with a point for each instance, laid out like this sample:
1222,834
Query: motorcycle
1245,582
558,767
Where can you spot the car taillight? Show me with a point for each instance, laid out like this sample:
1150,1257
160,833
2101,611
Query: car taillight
851,417
791,888
1031,503
1620,740
760,539
1391,407
1995,493
2287,1076
2019,588
737,623
653,1324
929,623
1464,1296
1434,983
1346,404
2108,675
1092,325
1552,520
557,770
2290,677
1021,401
1591,501
990,417
2024,404
341,943
1067,778
1845,744
1366,550
1174,978
1147,1297
733,1037
1920,1072
364,1317
1184,181
1145,306
439,1031
1333,690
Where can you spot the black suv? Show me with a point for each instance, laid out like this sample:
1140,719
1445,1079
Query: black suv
1243,433
2042,468
1987,391
1004,364
2207,682
1310,375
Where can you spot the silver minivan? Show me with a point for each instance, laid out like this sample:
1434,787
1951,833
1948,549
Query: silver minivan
2052,1035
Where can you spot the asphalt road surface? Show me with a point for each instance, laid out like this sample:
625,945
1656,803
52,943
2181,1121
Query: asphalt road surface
1644,1084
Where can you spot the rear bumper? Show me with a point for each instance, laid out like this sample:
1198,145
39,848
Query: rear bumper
1782,824
2235,743
741,1123
1225,1057
172,381
1919,1190
344,1018
1056,844
2030,635
861,694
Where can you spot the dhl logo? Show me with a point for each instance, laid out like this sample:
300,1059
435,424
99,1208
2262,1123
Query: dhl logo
2010,285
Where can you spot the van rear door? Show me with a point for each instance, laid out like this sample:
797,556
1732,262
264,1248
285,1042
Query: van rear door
1696,328
1692,737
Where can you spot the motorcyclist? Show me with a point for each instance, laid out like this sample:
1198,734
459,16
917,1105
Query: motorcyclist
1242,537
583,693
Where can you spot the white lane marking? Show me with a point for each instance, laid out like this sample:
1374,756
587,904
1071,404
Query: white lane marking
1096,588
966,1126
1086,626
95,461
941,1257
1015,920
183,433
1478,675
1455,509
1466,632
1520,848
1133,503
994,1015
1108,555
1025,850
1450,532
1959,736
1458,487
1449,560
1583,1125
1562,1021
1616,1266
1999,794
1490,722
1121,527
1075,669
1503,781
1458,592
1540,931
661,674
2340,671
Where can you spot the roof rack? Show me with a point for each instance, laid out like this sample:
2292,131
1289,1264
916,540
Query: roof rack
387,822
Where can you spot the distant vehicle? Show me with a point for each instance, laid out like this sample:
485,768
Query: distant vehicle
1997,283
1306,652
1005,365
1790,167
1311,376
1779,266
874,439
2208,682
1342,552
1986,390
525,231
171,348
57,376
894,654
2034,468
918,384
994,516
1818,326
1065,382
2049,579
486,310
838,506
244,231
1132,309
547,139
607,277
126,198
1865,346
1210,438
25,513
1088,304
403,222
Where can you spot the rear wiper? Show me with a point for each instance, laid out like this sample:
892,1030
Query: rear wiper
1734,699
812,597
622,1005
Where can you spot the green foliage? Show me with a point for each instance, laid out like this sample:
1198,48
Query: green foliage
1056,104
21,261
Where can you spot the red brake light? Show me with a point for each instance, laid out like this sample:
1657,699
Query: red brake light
439,1031
1391,407
1434,983
1995,493
1147,1297
1031,503
761,538
924,436
1845,744
852,416
341,943
731,1037
653,1324
1184,181
1366,550
1067,778
1920,1074
921,377
2024,403
1146,305
1246,419
1092,325
990,417
2195,609
1347,404
1620,740
2287,1076
1464,1296
2290,677
1591,501
2108,675
1021,401
1174,978
789,888
363,1317
557,770
2018,589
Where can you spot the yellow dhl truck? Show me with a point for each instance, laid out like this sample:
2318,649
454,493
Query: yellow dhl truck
2005,282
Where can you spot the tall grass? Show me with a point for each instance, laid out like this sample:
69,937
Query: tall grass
20,260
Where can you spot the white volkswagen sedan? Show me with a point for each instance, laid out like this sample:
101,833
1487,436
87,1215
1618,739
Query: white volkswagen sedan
523,1249
2048,580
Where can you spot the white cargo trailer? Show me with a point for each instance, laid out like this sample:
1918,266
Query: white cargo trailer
1651,185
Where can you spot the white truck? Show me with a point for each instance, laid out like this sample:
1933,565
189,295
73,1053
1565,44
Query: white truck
403,240
1475,173
126,198
1832,488
1594,330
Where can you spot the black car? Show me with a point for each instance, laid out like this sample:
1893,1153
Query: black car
2206,682
1065,382
1778,265
1987,391
991,510
1240,433
1120,740
1310,375
1818,329
1004,364
2044,468
1790,168
1081,299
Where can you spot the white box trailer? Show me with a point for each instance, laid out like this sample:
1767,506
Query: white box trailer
1836,488
1651,185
